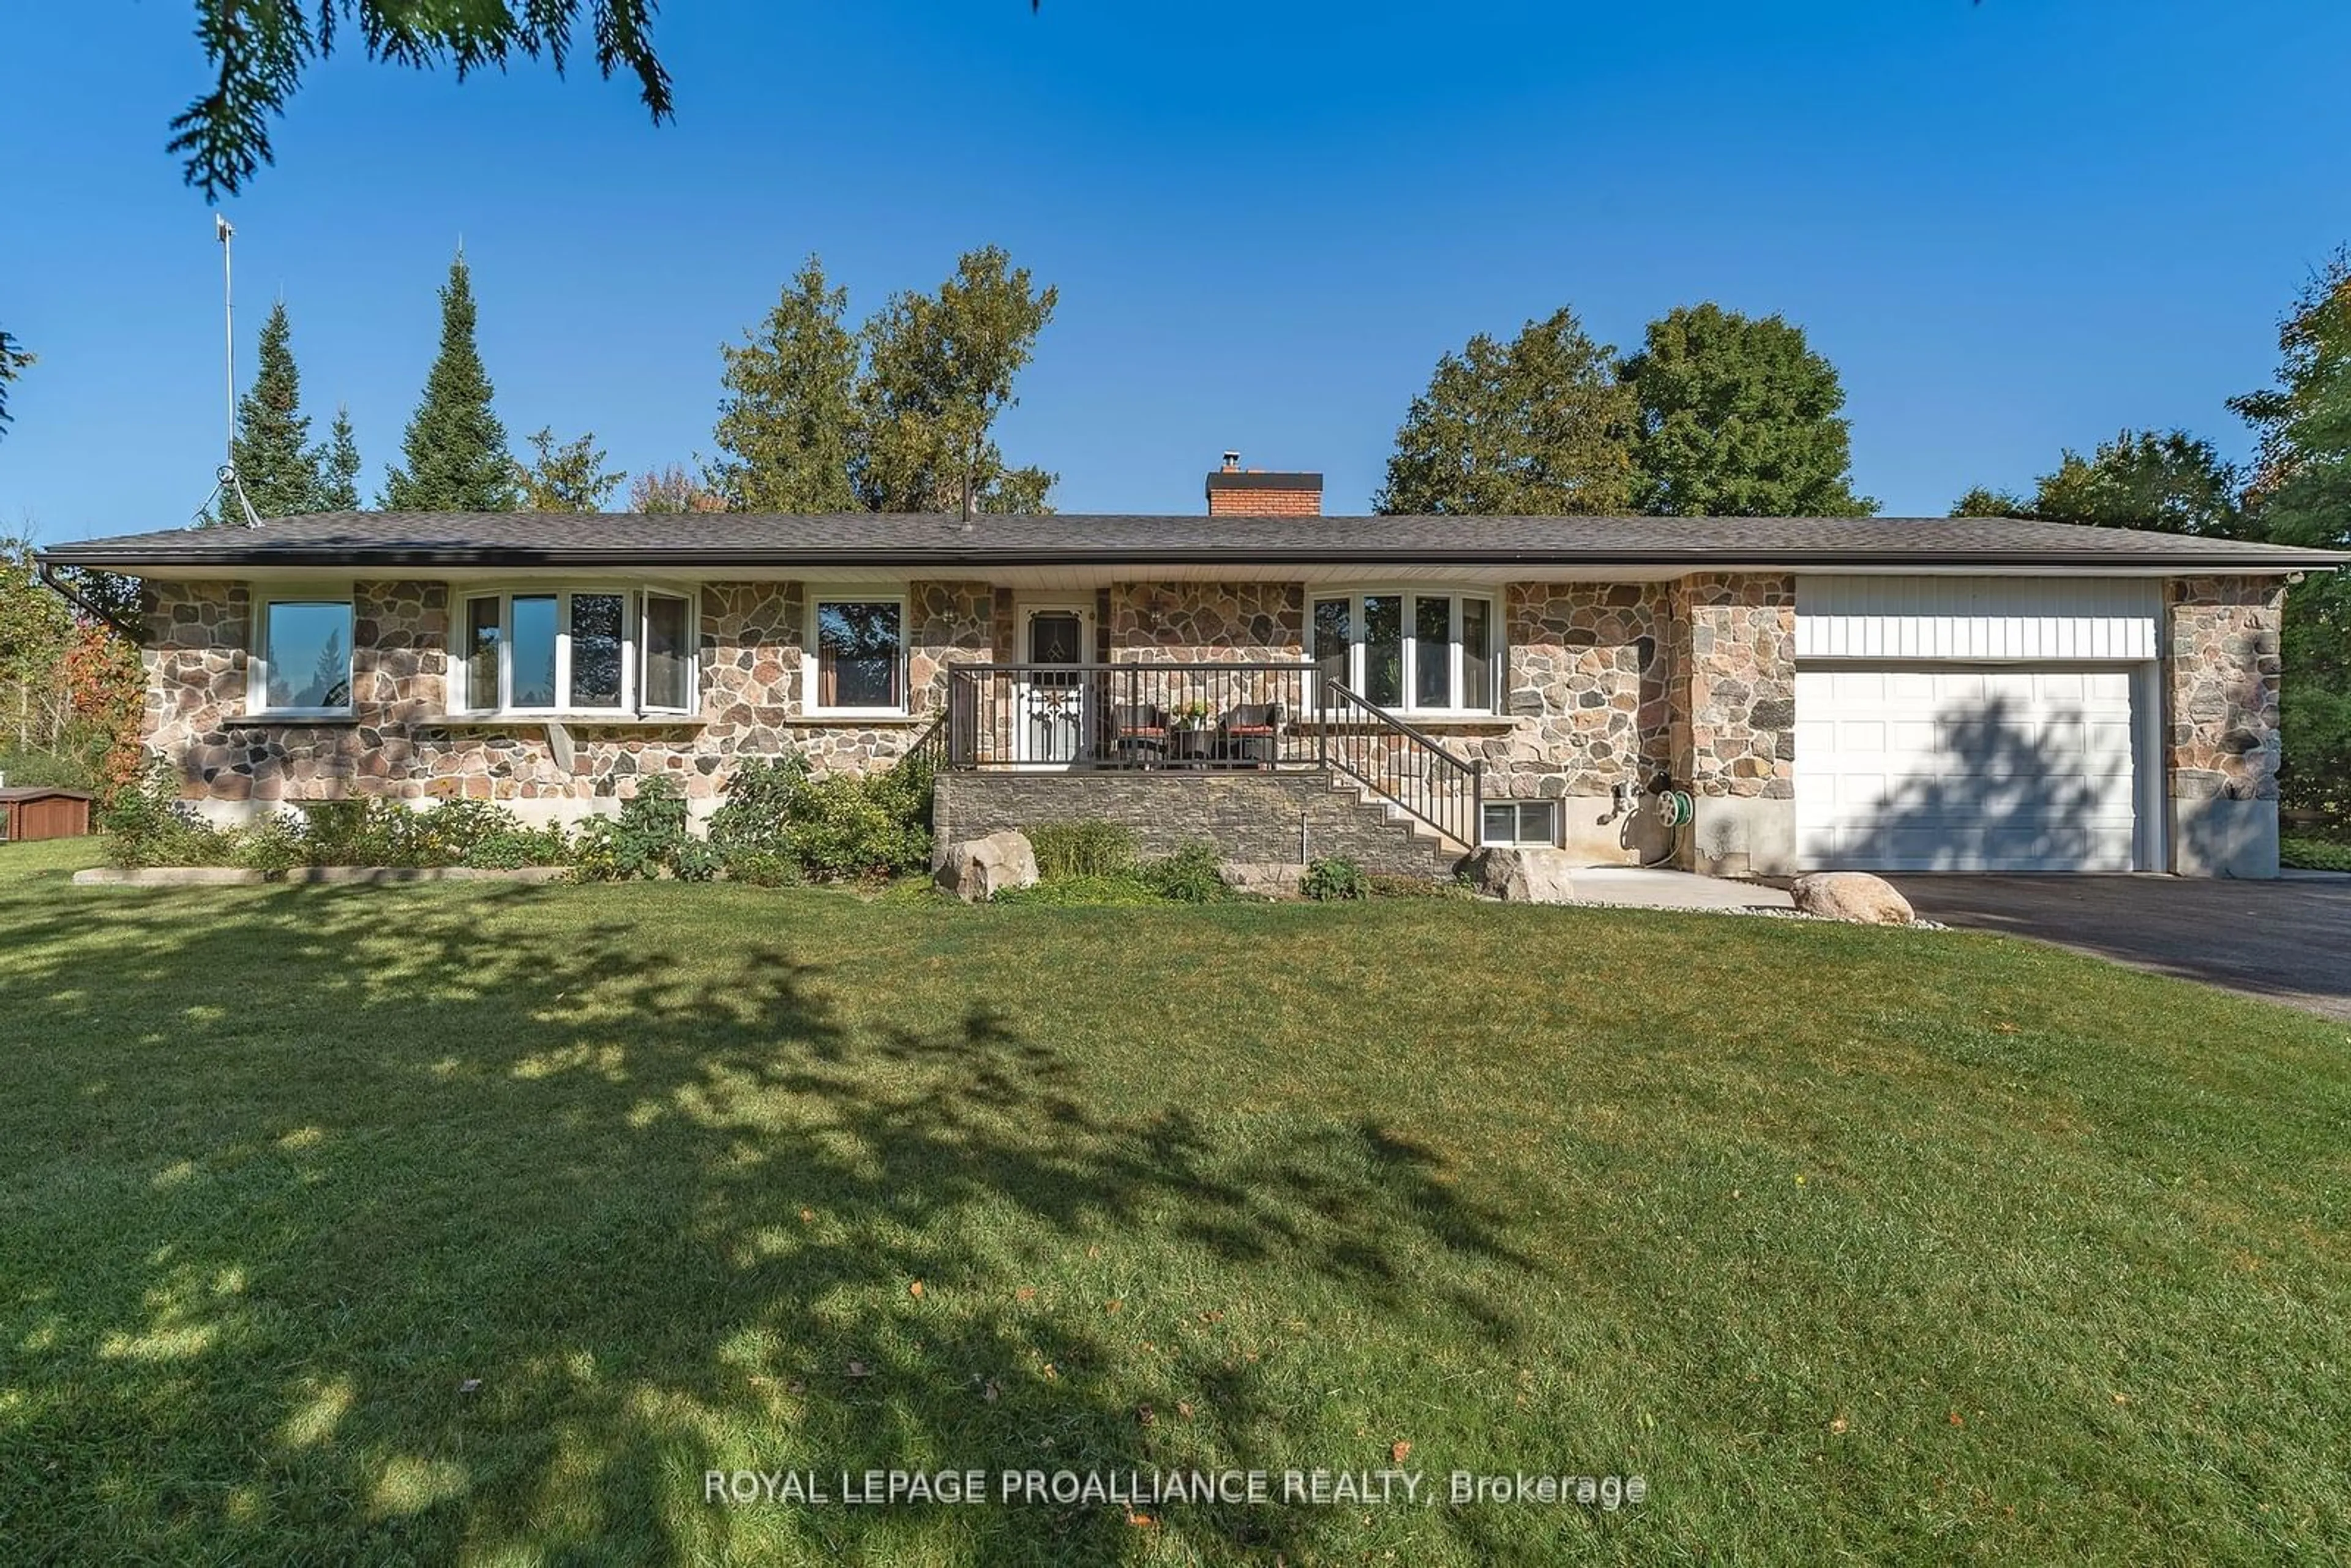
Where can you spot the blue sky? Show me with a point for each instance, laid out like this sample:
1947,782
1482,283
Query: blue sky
2013,226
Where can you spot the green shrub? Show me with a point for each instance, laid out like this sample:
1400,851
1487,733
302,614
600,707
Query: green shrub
1335,879
757,803
2314,854
1081,849
146,824
509,850
839,828
646,839
271,845
1189,875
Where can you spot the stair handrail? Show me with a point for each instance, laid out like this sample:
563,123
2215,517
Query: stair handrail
1456,811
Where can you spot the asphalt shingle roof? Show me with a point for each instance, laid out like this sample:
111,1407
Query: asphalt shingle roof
880,539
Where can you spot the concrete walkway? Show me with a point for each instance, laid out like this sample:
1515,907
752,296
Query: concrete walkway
1641,887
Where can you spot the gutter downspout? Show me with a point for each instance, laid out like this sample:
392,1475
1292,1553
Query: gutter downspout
50,580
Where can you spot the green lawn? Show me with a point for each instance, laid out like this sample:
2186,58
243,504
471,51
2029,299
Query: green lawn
1856,1245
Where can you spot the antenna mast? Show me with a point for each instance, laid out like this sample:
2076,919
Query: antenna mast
224,231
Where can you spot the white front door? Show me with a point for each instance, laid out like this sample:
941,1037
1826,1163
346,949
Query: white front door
2014,767
1050,705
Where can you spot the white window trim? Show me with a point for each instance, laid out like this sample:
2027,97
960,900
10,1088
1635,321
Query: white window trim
631,705
1497,645
812,653
693,637
265,600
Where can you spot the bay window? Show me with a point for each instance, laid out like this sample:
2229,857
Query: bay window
577,651
1423,652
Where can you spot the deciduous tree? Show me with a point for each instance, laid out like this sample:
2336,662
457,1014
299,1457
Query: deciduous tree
1738,417
2145,479
456,448
1980,502
1539,424
939,369
896,418
568,476
2301,494
672,489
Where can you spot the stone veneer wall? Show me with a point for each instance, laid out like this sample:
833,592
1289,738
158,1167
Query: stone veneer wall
2221,688
400,745
1734,718
1586,690
2221,748
1207,622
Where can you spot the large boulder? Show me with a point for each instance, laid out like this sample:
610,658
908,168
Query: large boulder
979,869
1851,895
1264,879
1525,876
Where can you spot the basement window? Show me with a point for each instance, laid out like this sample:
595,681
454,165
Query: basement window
582,653
1521,824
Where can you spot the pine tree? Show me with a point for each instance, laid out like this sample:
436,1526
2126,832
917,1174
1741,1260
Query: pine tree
785,424
455,449
277,470
337,463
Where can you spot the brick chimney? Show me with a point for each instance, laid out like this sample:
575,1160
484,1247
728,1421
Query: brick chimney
1237,492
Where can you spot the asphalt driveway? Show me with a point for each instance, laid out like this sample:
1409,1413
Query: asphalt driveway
2288,941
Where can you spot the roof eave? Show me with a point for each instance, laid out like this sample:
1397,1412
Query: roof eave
2271,560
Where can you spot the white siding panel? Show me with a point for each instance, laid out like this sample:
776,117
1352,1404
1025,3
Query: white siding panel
2023,618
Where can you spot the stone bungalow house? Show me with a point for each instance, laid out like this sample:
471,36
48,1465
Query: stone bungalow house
1760,696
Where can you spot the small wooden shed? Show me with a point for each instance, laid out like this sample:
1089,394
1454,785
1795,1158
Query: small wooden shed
36,811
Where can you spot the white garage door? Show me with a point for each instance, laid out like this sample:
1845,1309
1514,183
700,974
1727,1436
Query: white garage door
2004,769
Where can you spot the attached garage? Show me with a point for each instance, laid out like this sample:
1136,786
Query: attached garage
1977,724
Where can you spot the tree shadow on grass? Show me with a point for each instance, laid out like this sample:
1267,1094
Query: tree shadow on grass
291,1170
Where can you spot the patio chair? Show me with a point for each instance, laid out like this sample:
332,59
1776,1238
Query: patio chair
1138,734
1248,733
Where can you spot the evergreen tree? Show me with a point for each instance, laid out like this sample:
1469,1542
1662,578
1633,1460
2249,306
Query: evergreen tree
15,360
1537,427
786,422
1738,418
455,449
337,463
278,470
